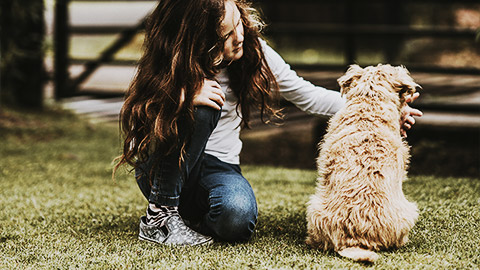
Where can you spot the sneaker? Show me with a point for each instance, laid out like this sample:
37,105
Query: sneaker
173,232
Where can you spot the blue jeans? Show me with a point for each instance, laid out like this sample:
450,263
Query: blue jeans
210,193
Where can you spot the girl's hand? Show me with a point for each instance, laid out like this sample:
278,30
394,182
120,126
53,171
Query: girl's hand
407,120
210,94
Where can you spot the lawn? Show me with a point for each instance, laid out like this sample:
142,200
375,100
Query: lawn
61,209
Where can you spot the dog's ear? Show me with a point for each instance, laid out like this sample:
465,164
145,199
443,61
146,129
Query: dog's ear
404,83
353,73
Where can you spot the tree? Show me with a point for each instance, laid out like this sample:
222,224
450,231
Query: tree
22,68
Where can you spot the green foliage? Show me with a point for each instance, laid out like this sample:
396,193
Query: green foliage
61,209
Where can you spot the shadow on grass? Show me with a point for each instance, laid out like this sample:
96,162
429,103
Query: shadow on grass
287,226
108,224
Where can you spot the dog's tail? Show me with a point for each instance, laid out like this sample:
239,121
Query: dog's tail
359,254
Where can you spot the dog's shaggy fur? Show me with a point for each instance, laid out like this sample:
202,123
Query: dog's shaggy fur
359,206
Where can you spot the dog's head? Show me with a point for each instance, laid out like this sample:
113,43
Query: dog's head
377,81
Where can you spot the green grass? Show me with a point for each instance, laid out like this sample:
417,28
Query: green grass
60,209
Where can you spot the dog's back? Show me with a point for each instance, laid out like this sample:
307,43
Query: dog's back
359,204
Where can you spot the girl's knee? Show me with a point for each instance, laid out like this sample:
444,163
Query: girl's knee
237,219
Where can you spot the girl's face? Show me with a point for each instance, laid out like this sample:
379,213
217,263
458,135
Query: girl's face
232,31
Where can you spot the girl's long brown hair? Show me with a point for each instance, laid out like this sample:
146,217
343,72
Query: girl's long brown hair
182,44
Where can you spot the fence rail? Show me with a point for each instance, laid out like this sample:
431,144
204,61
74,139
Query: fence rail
375,30
322,29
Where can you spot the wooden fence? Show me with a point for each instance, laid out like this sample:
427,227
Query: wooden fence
349,29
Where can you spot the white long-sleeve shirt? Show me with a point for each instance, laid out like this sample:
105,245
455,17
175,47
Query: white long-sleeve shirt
225,143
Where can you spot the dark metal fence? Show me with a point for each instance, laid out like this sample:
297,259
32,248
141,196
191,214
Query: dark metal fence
349,28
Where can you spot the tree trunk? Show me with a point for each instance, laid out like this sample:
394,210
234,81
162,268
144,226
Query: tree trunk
22,68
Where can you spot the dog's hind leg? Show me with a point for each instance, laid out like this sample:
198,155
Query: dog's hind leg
316,220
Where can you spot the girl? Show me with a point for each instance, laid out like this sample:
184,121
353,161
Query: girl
203,70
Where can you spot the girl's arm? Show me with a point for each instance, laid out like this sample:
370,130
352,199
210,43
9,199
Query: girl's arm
306,96
318,100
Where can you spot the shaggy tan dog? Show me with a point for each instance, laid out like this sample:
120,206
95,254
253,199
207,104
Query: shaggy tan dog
359,206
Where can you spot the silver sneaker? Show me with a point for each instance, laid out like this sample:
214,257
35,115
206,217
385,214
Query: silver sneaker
174,232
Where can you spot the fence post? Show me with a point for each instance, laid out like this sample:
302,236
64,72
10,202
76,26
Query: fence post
350,35
396,17
61,59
